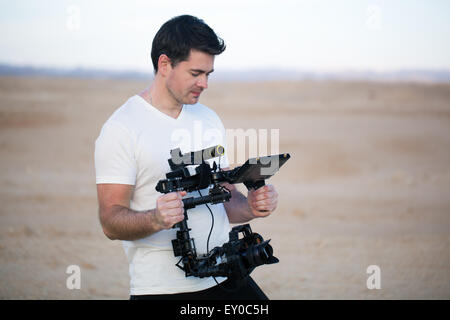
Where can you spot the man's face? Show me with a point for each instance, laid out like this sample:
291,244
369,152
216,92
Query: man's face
186,81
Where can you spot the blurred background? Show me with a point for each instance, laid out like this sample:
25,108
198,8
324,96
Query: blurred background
360,94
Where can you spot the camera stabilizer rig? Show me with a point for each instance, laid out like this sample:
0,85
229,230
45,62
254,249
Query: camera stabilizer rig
238,257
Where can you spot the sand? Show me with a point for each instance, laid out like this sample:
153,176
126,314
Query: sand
368,184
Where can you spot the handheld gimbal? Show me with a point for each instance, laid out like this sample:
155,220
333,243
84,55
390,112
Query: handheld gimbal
239,256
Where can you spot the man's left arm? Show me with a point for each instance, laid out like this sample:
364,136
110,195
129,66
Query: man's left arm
259,203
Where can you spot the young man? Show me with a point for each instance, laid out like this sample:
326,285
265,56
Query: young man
131,155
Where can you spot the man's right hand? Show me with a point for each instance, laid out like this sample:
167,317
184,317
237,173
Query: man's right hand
169,209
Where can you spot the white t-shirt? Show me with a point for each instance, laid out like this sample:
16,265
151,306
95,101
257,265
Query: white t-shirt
133,148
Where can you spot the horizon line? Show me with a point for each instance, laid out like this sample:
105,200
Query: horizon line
245,75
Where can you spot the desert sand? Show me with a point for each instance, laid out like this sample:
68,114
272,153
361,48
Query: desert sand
368,183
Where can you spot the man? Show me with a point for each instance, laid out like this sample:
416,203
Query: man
131,156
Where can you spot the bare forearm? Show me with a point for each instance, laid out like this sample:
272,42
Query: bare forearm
237,208
121,223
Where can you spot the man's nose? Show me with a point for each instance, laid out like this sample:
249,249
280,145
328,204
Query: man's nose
203,81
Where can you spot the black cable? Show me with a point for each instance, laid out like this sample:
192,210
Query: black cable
207,245
212,218
207,251
212,225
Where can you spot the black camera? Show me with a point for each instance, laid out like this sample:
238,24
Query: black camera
238,257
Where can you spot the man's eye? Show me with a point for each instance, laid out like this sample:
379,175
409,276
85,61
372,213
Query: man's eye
195,74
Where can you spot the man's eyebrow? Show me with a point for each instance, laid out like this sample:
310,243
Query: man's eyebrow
201,71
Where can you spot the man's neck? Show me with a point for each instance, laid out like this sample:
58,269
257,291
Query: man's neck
161,100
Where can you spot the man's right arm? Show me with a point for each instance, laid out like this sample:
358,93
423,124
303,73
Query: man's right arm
119,222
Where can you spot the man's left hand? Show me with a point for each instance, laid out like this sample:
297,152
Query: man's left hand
262,201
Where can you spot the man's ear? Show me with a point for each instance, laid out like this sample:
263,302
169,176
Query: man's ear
164,64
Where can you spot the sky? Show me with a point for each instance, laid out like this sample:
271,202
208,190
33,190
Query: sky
314,35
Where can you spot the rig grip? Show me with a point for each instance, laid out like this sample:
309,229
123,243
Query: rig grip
254,184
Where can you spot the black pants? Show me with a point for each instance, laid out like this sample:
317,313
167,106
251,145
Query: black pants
227,290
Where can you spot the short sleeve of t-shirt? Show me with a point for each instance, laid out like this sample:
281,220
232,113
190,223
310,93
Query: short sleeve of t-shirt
114,155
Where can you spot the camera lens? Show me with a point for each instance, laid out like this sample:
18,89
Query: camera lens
259,254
